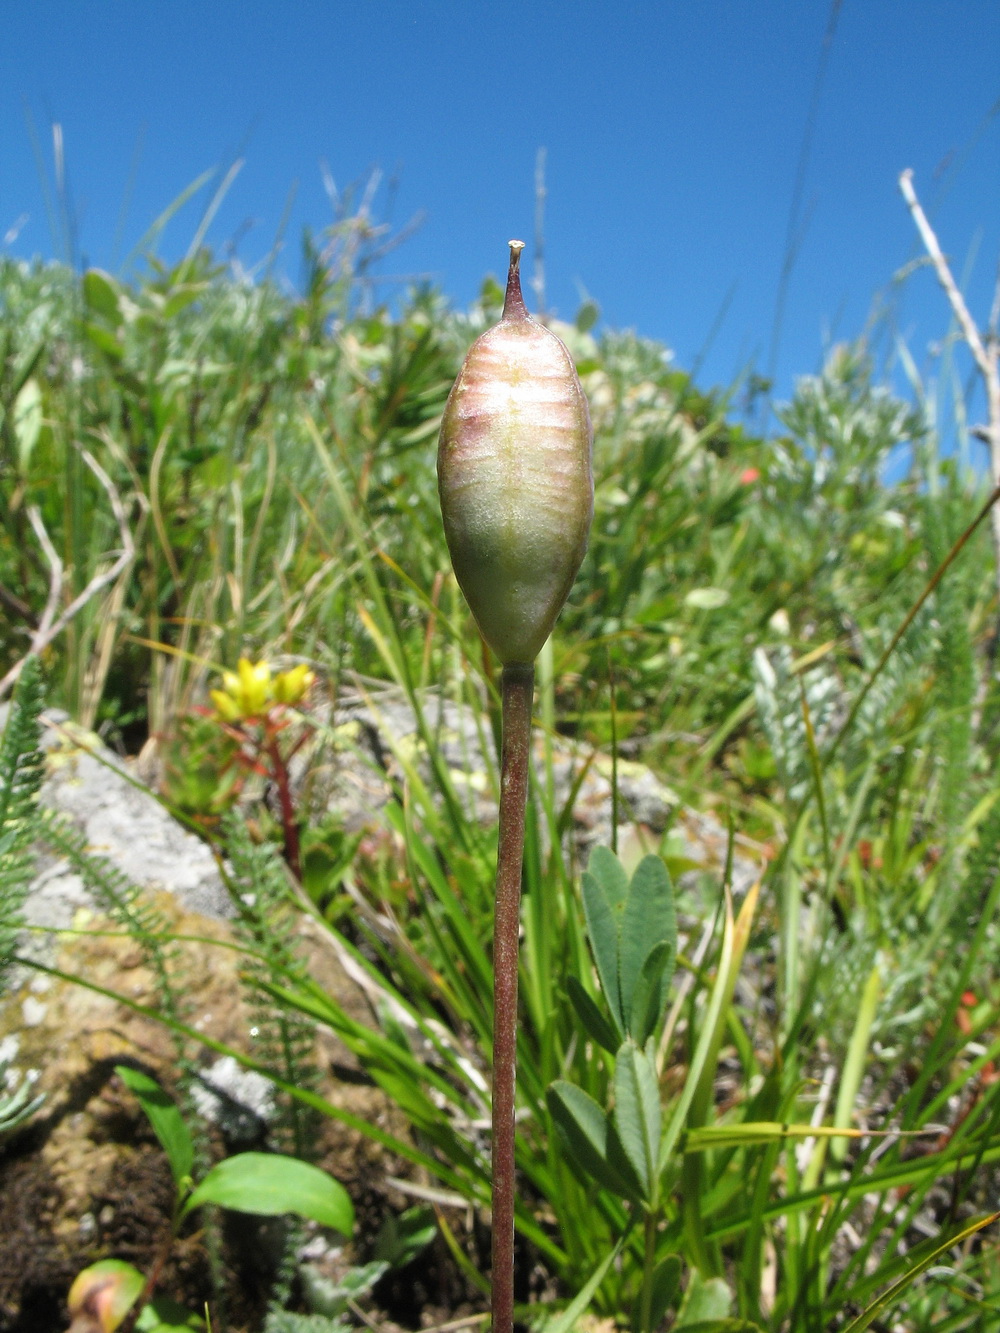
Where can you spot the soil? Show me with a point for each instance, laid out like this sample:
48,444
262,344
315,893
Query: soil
87,1180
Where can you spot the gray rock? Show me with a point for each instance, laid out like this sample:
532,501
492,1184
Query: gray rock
123,823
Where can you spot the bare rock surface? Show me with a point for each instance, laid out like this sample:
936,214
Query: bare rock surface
122,822
365,747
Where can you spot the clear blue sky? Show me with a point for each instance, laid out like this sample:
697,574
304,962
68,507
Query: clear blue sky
673,130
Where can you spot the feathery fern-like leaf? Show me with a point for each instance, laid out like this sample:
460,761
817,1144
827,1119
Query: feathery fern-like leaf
21,772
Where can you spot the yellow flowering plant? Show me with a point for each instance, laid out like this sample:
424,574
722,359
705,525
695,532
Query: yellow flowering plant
253,710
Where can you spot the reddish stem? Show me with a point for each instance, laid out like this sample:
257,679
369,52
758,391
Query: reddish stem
517,692
290,828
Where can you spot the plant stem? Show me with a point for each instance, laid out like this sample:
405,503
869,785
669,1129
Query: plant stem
517,692
649,1260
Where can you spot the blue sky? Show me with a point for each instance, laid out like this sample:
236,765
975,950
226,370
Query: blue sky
673,133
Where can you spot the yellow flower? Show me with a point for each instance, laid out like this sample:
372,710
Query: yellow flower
292,686
247,691
250,690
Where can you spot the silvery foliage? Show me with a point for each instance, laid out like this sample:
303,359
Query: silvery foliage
779,693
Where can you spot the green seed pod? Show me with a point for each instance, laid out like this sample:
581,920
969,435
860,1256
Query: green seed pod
514,474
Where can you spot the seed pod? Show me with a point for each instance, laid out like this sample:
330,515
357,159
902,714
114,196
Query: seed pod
514,474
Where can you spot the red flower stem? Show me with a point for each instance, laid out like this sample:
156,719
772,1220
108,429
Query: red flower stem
279,773
517,692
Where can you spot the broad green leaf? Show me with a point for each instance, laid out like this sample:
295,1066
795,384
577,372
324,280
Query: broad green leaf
585,1128
666,1284
594,1022
101,293
162,1315
637,1112
889,1297
587,316
104,340
167,1121
649,999
602,927
648,918
610,875
706,1301
270,1184
28,421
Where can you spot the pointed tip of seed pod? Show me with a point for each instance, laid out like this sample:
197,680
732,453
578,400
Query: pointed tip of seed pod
513,305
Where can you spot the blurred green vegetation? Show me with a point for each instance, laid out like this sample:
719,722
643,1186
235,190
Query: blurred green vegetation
271,453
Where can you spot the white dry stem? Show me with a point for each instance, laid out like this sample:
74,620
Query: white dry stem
51,625
985,350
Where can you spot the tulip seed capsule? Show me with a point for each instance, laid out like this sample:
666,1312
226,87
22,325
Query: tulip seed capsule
515,478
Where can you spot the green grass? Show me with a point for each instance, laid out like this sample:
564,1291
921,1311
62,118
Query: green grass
274,455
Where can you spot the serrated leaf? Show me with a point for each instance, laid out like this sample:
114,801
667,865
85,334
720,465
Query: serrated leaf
166,1120
649,999
584,1127
637,1113
270,1184
590,1016
647,919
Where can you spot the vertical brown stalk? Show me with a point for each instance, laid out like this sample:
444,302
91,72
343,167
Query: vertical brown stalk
517,692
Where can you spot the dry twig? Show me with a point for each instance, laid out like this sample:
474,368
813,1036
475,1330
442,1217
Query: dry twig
985,349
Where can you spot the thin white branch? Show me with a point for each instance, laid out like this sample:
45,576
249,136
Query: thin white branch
955,299
56,575
51,626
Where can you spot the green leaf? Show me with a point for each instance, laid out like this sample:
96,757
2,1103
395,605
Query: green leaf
401,1239
329,1298
666,1283
721,1325
101,293
610,874
602,927
587,316
707,599
27,420
647,919
166,1120
162,1315
890,1296
270,1184
593,1021
637,1112
649,999
566,1321
706,1301
585,1129
104,341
